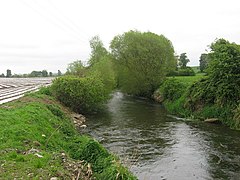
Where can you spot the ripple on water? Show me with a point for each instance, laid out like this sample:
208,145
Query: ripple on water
158,146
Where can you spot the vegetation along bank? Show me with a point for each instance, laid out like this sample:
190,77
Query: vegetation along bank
214,95
40,140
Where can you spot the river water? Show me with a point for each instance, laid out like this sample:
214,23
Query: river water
156,145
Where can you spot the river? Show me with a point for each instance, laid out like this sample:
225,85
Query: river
156,145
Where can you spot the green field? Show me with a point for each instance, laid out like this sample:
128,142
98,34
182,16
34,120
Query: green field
189,80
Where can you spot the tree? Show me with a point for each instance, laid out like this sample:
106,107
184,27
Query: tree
50,74
104,69
76,68
142,60
2,75
98,51
36,74
203,62
9,73
44,73
59,73
224,70
222,85
183,60
101,64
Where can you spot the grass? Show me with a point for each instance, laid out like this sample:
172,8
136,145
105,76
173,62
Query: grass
189,80
36,130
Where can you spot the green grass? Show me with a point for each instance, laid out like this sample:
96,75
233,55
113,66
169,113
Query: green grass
189,80
38,122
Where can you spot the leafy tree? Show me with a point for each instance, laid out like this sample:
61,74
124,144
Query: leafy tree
104,69
101,64
222,86
142,61
44,73
59,73
224,71
76,68
50,74
203,62
36,74
183,60
9,73
2,75
98,51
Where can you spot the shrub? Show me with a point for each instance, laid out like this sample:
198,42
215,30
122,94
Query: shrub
188,71
199,94
83,95
172,89
45,90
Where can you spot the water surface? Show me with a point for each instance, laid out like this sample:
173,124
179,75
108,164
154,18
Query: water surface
156,145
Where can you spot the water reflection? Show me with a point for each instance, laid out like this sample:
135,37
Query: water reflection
158,146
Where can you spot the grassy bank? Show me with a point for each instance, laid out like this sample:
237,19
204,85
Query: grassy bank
176,95
38,140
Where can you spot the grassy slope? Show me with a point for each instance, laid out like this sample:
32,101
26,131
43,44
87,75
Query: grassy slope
177,106
225,114
39,123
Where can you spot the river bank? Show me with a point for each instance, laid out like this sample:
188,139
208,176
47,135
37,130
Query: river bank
175,95
40,140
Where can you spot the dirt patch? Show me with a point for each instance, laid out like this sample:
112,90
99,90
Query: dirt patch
78,169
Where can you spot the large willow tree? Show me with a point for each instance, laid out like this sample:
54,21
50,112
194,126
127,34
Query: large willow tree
142,61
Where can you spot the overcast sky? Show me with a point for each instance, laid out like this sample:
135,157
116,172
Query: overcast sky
49,34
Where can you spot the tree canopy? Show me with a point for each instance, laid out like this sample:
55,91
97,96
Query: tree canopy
75,68
224,69
98,50
183,60
142,60
222,86
9,73
203,62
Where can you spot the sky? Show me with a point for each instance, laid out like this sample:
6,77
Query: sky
50,34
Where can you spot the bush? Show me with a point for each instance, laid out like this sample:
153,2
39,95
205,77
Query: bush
172,89
45,90
188,71
82,95
199,94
